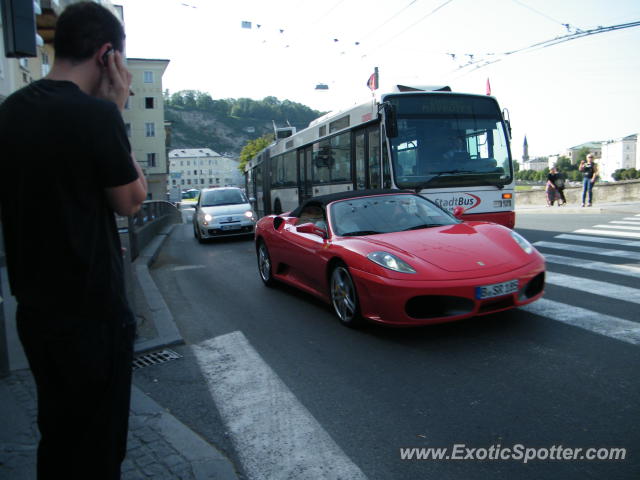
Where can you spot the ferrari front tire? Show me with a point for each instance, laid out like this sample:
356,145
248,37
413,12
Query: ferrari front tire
344,297
264,264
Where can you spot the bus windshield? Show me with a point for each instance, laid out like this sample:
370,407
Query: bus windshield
447,140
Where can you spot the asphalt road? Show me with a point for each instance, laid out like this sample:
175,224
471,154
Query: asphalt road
514,378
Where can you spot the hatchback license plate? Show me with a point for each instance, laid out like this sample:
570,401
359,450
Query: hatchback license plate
497,289
231,227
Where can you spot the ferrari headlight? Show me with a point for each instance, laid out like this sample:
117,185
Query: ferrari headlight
523,242
390,261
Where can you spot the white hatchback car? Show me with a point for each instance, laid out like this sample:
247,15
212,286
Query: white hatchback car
223,212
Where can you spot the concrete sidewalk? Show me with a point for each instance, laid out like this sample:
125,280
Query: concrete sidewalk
160,447
569,208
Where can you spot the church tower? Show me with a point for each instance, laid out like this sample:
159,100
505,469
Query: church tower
525,151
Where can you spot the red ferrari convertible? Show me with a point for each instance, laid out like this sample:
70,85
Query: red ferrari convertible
393,257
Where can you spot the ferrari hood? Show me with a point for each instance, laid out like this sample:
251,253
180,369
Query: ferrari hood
454,248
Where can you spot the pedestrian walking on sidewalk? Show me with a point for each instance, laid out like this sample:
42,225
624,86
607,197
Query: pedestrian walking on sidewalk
559,182
66,168
551,188
589,170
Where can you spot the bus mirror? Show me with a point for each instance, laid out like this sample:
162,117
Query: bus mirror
507,120
390,120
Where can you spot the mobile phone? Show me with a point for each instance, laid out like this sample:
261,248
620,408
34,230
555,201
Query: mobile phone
105,56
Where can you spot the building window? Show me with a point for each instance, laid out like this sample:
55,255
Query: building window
195,172
148,102
150,129
151,159
148,77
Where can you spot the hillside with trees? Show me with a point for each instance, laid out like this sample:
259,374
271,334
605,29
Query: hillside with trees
226,125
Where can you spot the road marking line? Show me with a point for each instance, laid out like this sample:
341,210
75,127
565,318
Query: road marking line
627,270
612,241
607,325
596,287
623,222
621,227
187,267
275,436
587,249
613,233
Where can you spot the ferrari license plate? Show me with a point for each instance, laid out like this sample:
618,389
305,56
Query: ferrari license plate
497,289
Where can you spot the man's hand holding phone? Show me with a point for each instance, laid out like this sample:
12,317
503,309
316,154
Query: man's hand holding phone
115,80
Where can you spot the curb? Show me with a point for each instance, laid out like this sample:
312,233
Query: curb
206,462
622,208
168,333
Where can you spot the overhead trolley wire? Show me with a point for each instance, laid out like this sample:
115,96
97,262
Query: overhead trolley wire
548,43
411,26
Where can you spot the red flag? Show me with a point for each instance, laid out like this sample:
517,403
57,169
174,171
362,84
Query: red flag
488,87
372,83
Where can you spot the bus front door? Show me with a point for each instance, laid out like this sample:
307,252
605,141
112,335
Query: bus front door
306,175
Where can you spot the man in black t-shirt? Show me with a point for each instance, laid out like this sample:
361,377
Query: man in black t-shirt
66,168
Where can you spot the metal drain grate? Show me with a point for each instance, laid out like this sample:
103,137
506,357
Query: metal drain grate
155,358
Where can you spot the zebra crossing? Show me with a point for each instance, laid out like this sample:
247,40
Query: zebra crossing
617,243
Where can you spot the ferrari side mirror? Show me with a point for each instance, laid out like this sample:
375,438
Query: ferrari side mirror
311,229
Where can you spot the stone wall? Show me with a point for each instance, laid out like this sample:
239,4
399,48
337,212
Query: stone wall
624,191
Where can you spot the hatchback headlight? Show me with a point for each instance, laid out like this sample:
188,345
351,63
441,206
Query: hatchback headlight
248,214
522,242
207,218
390,261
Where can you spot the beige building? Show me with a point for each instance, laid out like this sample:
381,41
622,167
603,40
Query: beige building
594,147
202,168
144,119
16,73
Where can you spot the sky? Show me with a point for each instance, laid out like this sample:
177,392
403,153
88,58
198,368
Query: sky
558,96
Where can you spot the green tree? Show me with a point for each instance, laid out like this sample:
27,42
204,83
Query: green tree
564,164
252,148
582,154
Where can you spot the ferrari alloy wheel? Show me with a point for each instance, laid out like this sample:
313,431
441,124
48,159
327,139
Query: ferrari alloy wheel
344,297
264,264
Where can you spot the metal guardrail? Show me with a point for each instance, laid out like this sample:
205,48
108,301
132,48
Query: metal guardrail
146,219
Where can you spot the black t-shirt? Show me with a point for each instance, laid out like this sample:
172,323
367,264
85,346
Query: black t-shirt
588,169
61,149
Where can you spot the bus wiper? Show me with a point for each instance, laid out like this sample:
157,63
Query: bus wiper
360,232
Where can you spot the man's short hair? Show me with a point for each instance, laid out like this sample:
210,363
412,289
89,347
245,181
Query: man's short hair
83,28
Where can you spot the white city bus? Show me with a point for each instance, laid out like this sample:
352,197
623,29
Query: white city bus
452,148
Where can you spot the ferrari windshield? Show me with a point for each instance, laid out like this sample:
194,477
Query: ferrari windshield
385,214
448,140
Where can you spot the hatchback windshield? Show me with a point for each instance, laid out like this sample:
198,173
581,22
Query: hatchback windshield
385,214
213,198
